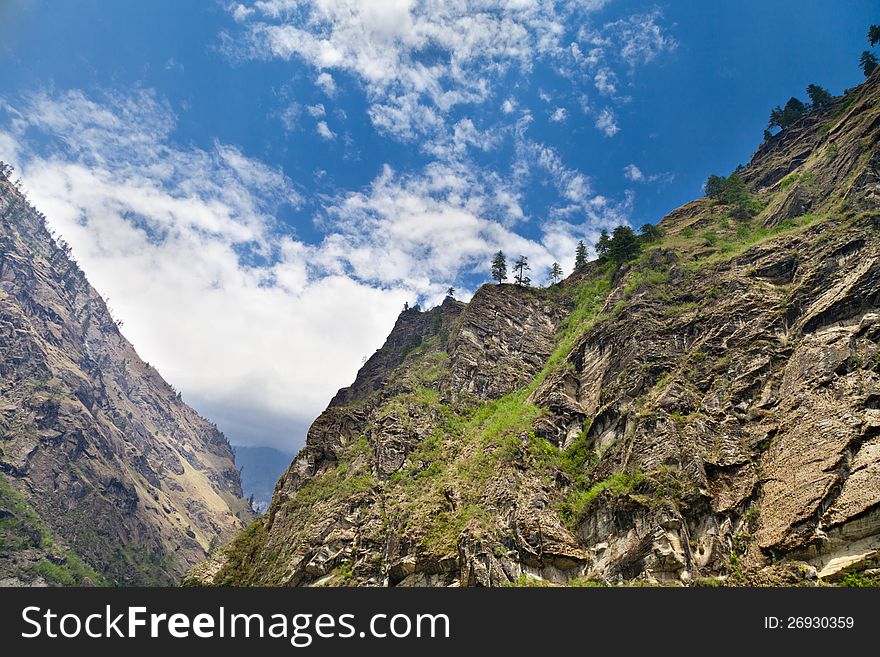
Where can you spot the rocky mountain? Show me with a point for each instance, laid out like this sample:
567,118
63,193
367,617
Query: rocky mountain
707,411
106,476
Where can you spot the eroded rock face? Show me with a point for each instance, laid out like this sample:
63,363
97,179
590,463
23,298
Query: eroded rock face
99,457
712,414
503,338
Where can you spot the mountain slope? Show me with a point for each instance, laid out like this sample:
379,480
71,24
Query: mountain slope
106,476
705,411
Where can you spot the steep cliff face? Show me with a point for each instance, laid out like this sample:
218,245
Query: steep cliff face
707,410
106,476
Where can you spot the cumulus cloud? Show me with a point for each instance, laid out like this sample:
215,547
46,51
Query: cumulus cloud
240,13
316,111
325,131
641,39
606,81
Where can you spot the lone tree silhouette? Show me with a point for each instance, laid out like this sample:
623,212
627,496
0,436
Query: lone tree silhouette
554,273
580,255
450,292
521,266
499,267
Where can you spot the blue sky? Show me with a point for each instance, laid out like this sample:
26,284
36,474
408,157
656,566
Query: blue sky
257,187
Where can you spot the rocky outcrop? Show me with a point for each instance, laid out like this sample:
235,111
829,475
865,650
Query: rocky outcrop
707,410
410,330
107,476
503,339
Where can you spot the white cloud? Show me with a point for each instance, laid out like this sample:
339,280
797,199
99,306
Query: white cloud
241,13
559,115
317,111
326,83
173,65
641,39
633,173
290,116
417,60
427,227
606,81
607,122
325,131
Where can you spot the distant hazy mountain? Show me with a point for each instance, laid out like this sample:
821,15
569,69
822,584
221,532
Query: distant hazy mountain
260,468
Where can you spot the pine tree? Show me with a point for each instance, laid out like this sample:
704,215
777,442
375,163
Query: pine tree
603,243
782,117
624,244
580,255
650,232
714,185
819,97
499,267
450,292
737,194
868,62
874,35
521,266
554,274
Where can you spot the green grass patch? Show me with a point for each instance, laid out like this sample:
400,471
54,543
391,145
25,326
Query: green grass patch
579,501
792,178
351,476
859,580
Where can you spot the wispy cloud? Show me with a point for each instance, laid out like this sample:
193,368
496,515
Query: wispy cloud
419,59
634,174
